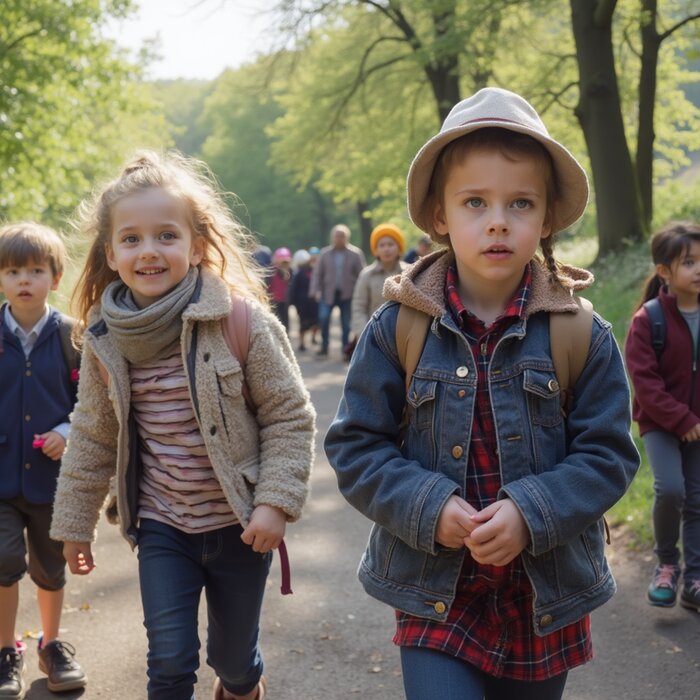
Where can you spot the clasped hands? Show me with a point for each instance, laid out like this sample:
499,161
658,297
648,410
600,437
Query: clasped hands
494,535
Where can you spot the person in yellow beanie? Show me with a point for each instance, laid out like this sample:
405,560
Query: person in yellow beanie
387,244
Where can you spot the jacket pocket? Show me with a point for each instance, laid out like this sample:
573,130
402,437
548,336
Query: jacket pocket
542,395
229,377
421,402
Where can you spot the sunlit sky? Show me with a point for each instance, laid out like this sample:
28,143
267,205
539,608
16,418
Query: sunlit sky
197,38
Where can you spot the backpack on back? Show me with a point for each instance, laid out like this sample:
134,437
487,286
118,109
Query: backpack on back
71,356
569,337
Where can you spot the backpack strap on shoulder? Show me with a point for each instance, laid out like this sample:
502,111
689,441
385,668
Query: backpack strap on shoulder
411,331
569,341
657,321
71,356
236,329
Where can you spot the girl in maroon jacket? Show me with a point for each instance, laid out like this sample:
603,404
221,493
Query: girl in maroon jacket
667,408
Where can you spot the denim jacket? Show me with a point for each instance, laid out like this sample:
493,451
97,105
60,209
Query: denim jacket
561,473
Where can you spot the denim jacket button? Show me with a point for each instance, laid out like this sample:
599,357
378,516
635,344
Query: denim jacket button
461,393
462,371
545,620
440,607
553,385
457,451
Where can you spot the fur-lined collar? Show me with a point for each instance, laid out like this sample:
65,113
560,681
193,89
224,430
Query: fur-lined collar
422,286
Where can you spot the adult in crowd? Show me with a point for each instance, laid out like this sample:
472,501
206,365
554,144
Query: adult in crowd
387,244
307,308
423,247
278,284
333,281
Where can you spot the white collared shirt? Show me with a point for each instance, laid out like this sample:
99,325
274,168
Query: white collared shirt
27,341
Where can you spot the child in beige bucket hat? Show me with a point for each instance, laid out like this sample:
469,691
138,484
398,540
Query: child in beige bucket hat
487,499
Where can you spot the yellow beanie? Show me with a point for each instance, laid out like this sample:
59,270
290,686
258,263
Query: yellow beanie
386,230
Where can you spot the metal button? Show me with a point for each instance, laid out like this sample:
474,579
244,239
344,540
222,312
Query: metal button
457,451
462,371
440,607
553,385
545,620
461,393
27,418
27,466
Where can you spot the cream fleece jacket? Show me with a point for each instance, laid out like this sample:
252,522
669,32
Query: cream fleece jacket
258,460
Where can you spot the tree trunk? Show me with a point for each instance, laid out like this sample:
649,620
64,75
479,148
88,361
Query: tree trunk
600,116
443,75
651,41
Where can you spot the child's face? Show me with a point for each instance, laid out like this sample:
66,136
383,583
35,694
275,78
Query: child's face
494,211
683,276
387,249
152,245
27,286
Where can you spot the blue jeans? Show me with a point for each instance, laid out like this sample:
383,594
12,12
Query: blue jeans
324,319
676,469
174,567
429,674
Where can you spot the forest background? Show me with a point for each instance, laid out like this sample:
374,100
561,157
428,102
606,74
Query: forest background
321,126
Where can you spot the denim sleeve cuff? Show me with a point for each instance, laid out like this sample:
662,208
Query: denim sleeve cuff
529,502
433,503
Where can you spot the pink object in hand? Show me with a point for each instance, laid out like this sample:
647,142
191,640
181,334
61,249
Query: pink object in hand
39,442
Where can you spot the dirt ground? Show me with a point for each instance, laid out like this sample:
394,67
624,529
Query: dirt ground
329,640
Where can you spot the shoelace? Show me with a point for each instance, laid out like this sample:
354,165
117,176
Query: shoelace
695,586
665,576
8,665
62,653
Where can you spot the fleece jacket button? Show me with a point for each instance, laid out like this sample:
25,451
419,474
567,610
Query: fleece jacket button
206,357
212,430
545,620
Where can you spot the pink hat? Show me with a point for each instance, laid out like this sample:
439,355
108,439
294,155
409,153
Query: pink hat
281,254
495,107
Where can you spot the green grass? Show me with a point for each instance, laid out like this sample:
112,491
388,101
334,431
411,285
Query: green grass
615,295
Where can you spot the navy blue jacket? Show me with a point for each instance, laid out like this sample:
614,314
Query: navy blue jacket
37,395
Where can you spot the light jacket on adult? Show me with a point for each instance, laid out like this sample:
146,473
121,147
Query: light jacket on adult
324,278
257,460
666,389
369,292
562,474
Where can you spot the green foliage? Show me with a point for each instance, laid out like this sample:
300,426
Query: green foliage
237,114
70,106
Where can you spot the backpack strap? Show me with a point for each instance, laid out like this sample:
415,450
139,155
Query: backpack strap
658,325
236,329
569,342
411,331
71,356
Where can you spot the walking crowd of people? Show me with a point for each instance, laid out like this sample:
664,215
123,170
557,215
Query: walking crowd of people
485,464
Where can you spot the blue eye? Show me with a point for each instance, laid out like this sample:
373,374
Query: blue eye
522,204
474,202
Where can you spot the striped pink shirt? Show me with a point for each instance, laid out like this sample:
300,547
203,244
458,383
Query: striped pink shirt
178,485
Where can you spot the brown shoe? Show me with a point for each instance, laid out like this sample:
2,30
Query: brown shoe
220,693
63,671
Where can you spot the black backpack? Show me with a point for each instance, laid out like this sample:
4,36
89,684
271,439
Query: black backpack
658,325
71,356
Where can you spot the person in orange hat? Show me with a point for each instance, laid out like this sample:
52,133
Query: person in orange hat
387,244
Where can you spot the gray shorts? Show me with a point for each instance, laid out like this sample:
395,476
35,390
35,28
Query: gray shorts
46,565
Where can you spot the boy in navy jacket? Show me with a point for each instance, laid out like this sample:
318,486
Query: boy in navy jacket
38,393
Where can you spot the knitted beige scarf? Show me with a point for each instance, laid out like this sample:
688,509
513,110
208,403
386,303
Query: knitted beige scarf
143,334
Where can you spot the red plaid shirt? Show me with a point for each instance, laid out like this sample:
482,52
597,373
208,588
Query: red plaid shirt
490,624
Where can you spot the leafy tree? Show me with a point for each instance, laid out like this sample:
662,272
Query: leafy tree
236,116
71,106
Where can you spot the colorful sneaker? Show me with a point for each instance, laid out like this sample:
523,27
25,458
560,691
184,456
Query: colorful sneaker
11,674
57,662
663,587
690,595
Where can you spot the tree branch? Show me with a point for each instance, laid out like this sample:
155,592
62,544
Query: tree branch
677,26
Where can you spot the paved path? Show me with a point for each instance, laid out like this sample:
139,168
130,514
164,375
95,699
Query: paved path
331,641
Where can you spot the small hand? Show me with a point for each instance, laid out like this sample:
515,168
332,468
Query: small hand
265,529
454,522
78,556
693,434
500,534
54,445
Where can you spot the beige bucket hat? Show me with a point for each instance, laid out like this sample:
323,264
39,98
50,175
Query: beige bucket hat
495,107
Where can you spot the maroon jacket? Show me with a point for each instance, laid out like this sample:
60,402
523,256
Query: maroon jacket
667,390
